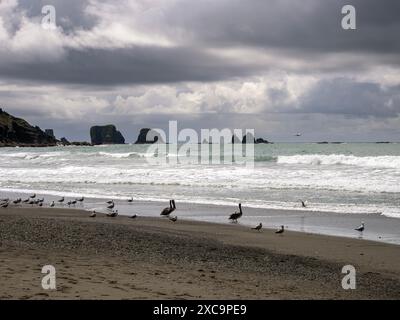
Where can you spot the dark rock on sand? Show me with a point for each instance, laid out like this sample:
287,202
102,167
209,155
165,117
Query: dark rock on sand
18,132
106,135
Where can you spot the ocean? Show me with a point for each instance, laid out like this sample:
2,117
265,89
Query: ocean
349,180
346,178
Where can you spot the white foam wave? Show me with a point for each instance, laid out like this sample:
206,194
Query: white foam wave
341,159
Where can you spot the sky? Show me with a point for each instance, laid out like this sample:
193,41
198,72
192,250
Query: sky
276,66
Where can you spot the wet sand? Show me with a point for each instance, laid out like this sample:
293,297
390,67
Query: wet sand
154,258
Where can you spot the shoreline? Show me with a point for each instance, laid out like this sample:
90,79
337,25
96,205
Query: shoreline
150,258
379,228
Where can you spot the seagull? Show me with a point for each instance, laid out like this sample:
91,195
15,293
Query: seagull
4,205
93,215
361,227
130,200
303,203
236,215
173,219
61,200
281,230
17,201
112,205
52,204
113,214
33,196
167,211
134,216
258,228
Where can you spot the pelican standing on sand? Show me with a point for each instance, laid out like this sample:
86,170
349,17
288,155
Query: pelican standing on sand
361,227
167,211
17,201
258,228
52,205
236,215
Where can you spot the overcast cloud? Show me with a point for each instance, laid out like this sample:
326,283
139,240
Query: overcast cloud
278,66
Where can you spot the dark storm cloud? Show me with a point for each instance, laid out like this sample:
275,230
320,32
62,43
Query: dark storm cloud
310,25
132,65
343,96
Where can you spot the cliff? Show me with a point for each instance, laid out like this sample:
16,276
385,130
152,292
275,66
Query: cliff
18,132
106,135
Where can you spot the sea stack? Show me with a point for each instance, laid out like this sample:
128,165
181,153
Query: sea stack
148,136
106,135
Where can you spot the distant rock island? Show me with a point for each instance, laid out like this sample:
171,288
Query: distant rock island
18,132
142,138
106,135
250,137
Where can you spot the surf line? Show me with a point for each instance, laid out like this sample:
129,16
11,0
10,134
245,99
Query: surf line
165,310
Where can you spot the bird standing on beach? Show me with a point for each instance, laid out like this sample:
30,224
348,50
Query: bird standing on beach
134,216
130,200
281,230
258,228
167,211
33,196
173,219
4,205
80,199
236,215
17,201
360,228
111,206
61,200
113,214
25,201
52,205
93,215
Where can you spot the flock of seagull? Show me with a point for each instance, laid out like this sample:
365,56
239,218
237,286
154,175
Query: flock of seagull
112,213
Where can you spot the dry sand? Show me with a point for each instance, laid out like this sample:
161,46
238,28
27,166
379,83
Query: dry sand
154,258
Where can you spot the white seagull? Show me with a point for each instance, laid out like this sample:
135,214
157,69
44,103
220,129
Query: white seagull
360,228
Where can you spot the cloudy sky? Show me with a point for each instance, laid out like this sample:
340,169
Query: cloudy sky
276,66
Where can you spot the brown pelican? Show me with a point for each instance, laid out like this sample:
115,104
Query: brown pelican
33,196
113,214
173,219
258,228
73,202
41,200
281,230
17,201
167,211
236,215
61,200
93,215
360,228
26,200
